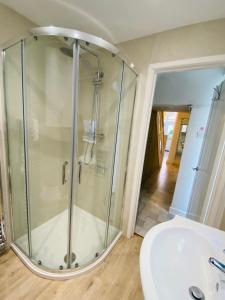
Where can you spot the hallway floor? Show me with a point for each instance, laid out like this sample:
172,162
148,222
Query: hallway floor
117,277
156,197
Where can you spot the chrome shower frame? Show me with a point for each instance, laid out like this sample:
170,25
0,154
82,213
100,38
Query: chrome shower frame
4,159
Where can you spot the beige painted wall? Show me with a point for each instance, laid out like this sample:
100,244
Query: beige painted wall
12,25
186,42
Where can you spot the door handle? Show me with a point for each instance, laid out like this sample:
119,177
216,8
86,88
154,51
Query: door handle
64,172
195,169
79,172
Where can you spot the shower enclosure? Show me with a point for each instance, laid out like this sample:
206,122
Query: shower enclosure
69,101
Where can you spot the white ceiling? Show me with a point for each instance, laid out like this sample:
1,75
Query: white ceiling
119,20
193,87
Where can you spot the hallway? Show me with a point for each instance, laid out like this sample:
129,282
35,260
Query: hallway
156,197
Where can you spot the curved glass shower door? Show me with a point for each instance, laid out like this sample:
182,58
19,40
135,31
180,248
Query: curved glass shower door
122,148
100,77
15,131
69,107
48,84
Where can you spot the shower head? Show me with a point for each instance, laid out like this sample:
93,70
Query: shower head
98,77
67,51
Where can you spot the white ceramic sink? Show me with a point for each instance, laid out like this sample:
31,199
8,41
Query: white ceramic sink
174,256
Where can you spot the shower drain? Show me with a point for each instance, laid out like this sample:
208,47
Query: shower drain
196,293
73,258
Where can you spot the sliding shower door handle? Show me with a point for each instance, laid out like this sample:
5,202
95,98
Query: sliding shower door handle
64,172
79,172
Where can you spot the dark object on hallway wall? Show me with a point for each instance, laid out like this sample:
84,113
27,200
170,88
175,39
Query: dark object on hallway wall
151,162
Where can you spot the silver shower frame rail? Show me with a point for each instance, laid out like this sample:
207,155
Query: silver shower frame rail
76,35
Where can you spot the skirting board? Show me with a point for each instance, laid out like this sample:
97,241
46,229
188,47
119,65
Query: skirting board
175,211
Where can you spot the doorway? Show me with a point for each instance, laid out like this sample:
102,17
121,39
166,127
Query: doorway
177,169
165,144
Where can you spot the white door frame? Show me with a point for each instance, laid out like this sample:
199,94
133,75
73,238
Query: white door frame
214,204
140,127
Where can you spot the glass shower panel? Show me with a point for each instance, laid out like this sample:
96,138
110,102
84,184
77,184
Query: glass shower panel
122,145
98,108
48,80
15,137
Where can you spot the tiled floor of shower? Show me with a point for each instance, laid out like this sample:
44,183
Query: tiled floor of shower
49,240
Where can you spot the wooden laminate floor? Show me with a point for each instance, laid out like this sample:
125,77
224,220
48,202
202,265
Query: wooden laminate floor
161,185
156,197
117,278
